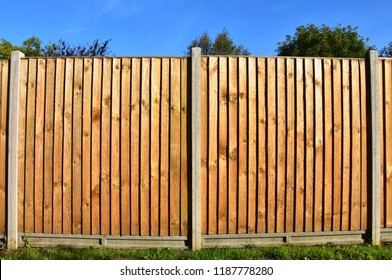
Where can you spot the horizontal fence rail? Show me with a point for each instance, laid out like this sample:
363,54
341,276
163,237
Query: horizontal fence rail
120,152
103,146
4,71
283,145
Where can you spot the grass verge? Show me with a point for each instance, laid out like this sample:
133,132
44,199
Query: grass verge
286,252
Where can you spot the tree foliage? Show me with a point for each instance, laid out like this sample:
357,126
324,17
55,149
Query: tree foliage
386,51
222,45
64,49
33,47
325,41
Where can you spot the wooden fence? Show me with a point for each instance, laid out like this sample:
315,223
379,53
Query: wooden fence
105,151
3,141
103,146
283,145
385,78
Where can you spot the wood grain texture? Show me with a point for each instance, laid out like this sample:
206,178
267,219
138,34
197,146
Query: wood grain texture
125,146
58,148
164,148
319,145
281,145
48,144
300,147
155,112
3,141
77,97
252,145
115,142
233,144
346,172
204,143
96,147
135,145
175,148
86,144
329,152
262,146
271,153
290,154
30,156
337,144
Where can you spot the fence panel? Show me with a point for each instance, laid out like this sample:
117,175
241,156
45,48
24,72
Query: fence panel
102,146
4,72
283,145
385,78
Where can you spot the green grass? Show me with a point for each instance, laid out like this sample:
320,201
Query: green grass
286,252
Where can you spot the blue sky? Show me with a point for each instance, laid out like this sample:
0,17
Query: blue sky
165,28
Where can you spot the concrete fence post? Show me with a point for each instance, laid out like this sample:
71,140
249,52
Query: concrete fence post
12,163
374,163
196,156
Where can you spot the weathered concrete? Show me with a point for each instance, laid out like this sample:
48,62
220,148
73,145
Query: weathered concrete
13,113
196,156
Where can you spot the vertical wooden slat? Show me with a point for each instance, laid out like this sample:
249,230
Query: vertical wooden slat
155,112
212,193
96,147
135,143
3,141
242,145
233,144
204,143
364,187
262,148
300,147
48,145
355,212
39,147
30,121
309,152
58,147
290,155
184,148
67,147
77,147
105,144
328,157
145,149
164,151
222,147
388,142
24,64
115,150
86,145
281,145
337,145
346,144
319,145
271,152
125,146
212,144
252,145
382,142
175,149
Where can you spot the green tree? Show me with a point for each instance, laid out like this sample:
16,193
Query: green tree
222,45
64,49
33,47
386,51
325,41
6,48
